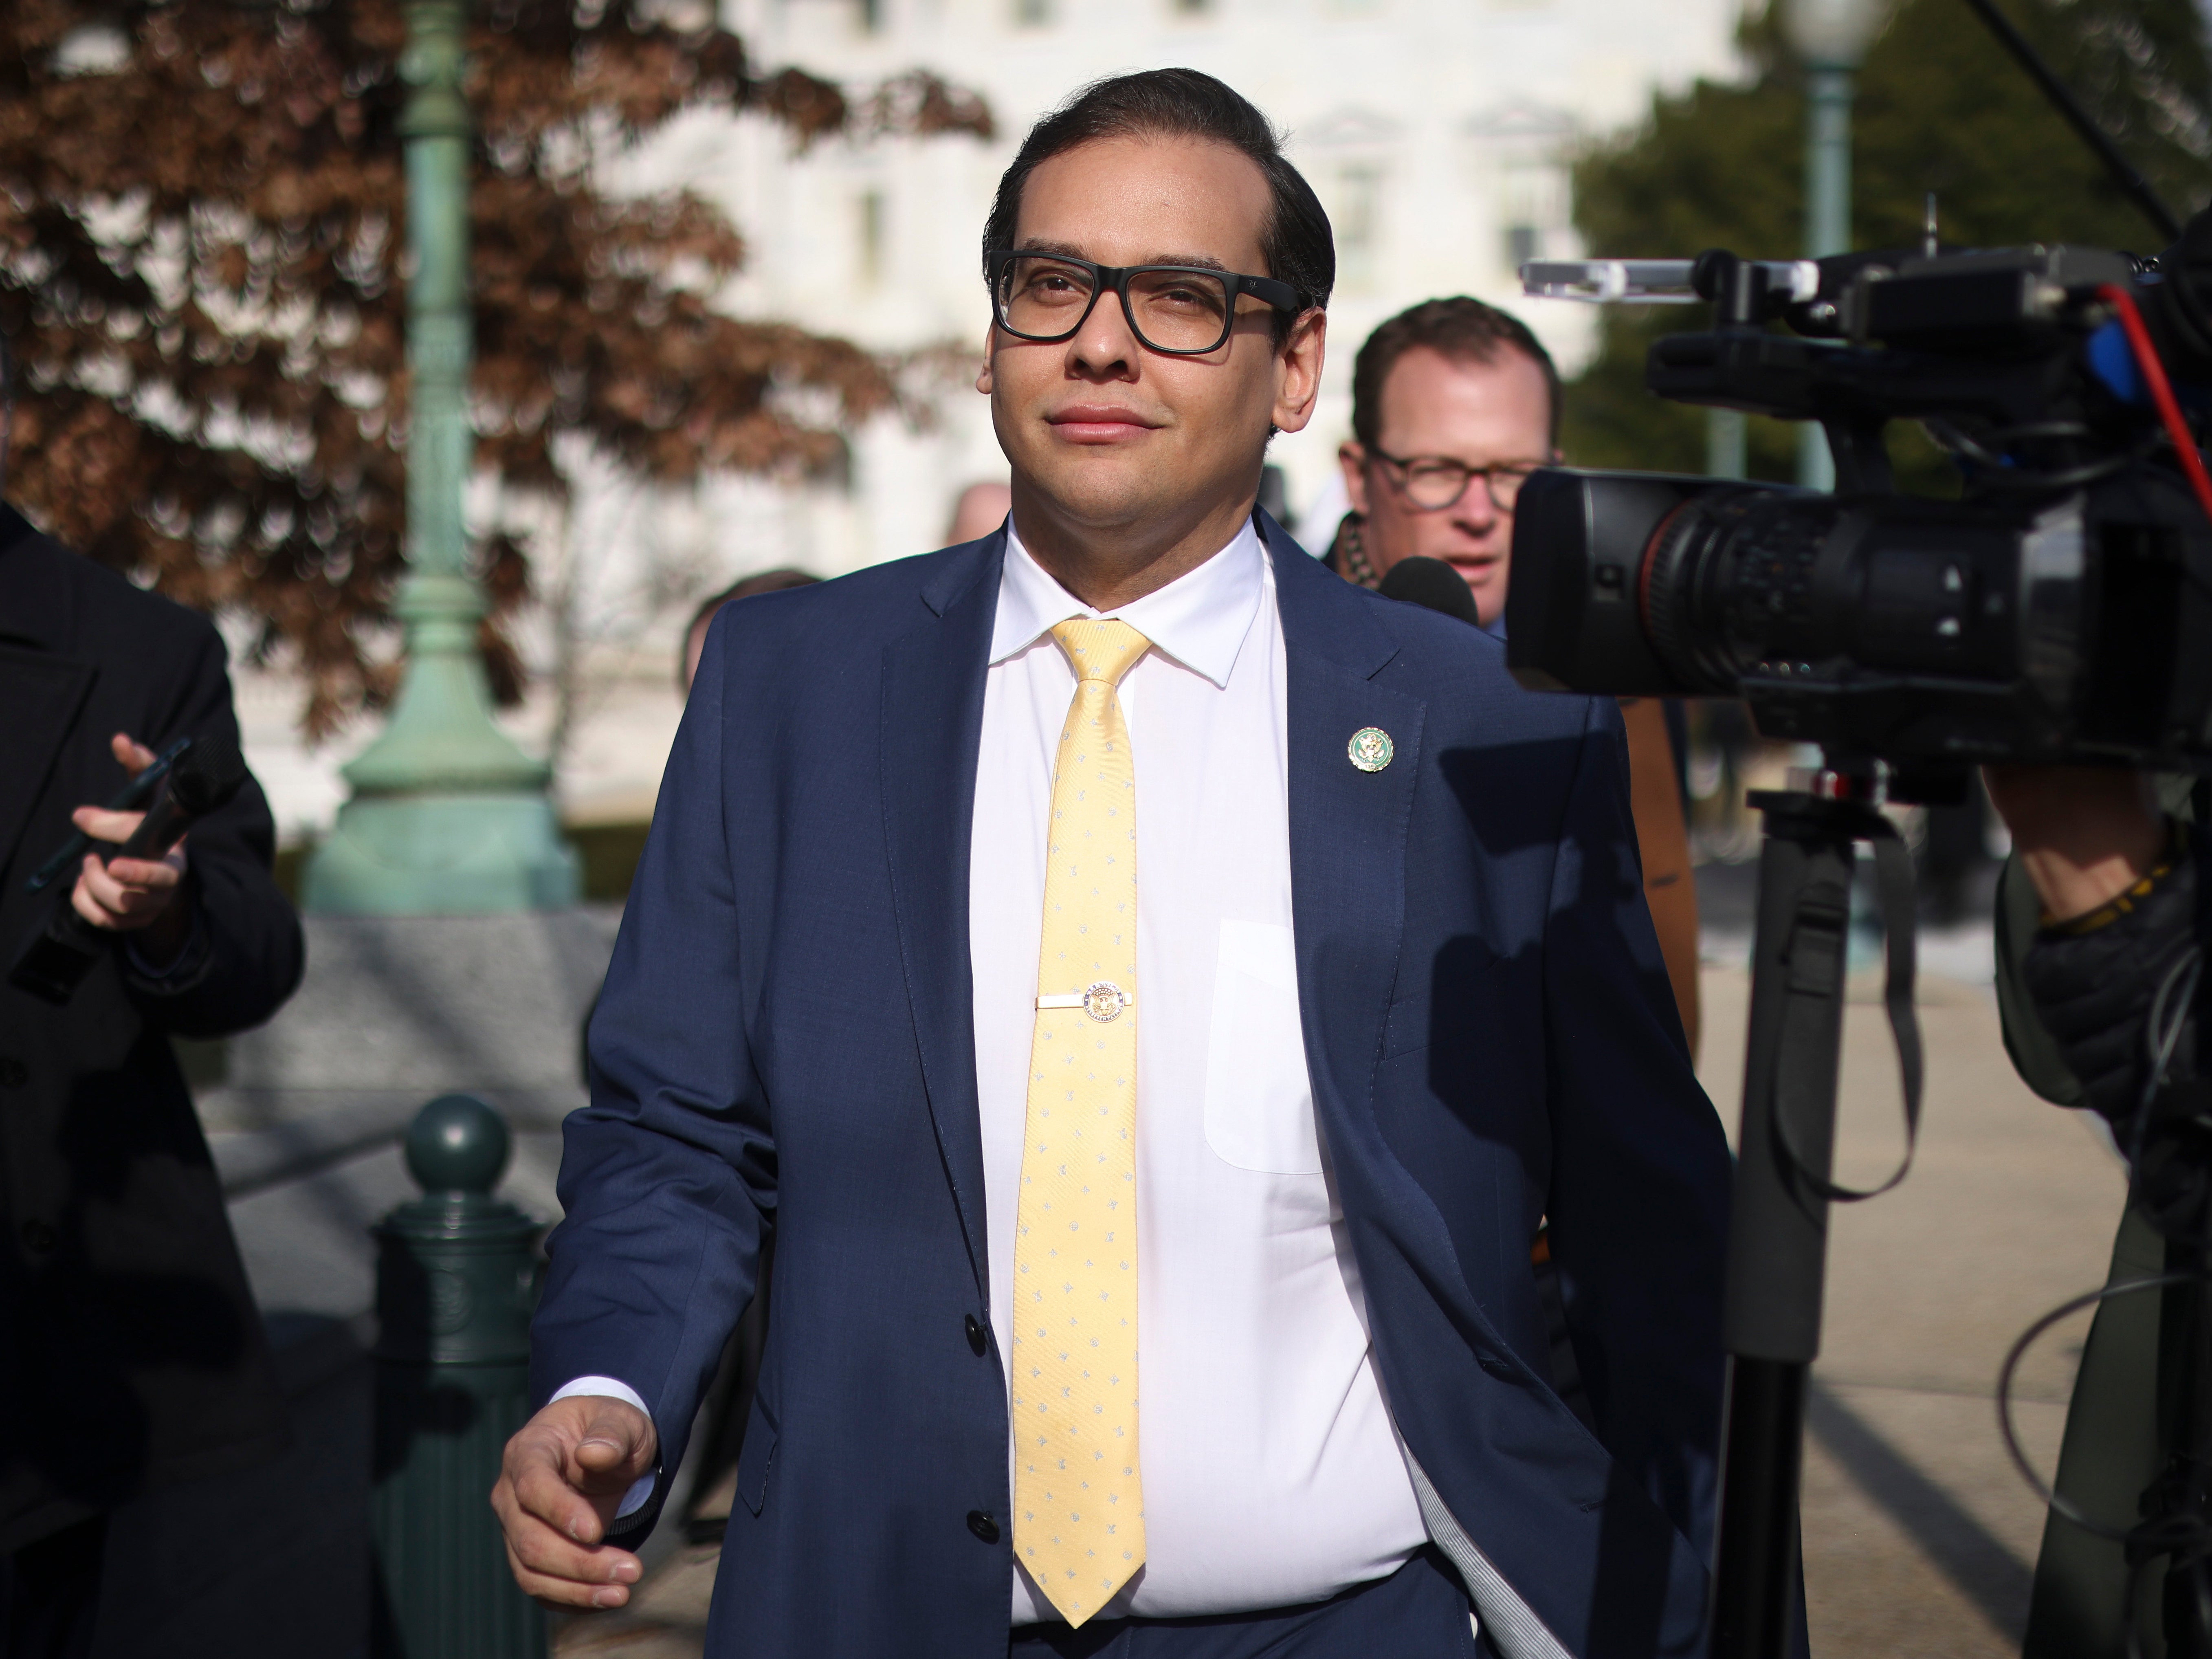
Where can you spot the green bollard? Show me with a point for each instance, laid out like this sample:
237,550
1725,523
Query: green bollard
456,1280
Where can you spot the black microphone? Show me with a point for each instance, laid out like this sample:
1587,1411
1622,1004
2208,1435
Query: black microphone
1433,583
202,780
135,793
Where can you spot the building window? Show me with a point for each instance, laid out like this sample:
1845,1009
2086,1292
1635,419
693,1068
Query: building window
1533,208
1356,215
1032,14
1190,7
871,15
869,263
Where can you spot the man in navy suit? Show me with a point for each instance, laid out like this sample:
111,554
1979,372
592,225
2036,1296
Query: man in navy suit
1239,1353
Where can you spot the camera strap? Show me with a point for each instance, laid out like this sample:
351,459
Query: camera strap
1816,981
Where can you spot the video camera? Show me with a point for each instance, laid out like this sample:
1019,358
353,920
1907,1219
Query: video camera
2061,611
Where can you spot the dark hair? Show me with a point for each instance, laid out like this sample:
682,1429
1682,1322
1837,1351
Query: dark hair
1182,103
1460,329
7,373
765,581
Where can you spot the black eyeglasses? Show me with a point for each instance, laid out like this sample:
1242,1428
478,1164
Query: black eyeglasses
1432,482
1182,311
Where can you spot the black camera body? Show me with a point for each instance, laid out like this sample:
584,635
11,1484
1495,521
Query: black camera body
2061,612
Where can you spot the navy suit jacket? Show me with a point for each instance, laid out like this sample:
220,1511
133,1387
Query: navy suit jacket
785,1040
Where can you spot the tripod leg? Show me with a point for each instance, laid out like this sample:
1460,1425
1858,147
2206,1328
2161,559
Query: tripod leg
2185,1406
2181,1493
1777,1244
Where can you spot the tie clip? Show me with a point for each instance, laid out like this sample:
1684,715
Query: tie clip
1104,1001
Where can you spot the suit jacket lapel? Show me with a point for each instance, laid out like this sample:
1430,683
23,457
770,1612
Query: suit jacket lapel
1347,826
39,697
42,688
1348,856
931,724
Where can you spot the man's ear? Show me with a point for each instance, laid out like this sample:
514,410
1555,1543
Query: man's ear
1353,459
984,375
1298,381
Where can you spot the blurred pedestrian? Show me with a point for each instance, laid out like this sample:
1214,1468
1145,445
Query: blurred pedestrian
131,1353
1454,404
981,509
694,632
1956,868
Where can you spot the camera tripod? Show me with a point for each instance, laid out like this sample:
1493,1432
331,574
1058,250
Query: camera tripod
1777,1241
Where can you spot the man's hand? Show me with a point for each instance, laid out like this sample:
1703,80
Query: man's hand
131,896
559,1485
2084,834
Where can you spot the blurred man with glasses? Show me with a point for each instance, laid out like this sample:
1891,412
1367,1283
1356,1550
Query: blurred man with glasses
1154,989
1454,404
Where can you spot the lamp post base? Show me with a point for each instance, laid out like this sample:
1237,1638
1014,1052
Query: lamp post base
442,855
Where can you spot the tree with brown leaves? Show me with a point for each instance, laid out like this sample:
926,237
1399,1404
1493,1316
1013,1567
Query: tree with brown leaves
200,232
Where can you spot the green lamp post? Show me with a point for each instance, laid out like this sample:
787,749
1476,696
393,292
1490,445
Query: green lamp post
447,815
1830,37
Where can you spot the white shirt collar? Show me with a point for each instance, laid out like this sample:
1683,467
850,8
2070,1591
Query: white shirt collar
1200,619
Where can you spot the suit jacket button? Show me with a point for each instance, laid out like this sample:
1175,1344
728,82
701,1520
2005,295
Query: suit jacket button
980,1523
975,1334
14,1074
40,1237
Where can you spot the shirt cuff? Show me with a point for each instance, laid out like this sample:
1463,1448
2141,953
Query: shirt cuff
608,1388
187,959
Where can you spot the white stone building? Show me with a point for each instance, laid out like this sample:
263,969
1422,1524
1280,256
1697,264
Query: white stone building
1437,133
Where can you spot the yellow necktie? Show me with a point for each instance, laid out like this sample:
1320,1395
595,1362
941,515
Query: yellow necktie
1078,1499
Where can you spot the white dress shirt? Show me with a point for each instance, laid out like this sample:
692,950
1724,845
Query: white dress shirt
1271,1473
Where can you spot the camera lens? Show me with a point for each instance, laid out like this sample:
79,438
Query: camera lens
1729,581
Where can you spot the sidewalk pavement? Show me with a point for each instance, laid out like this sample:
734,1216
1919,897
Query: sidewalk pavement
1920,1537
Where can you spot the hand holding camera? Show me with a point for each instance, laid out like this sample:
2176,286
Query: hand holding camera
2083,834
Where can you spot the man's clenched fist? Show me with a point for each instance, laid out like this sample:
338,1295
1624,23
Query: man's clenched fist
562,1478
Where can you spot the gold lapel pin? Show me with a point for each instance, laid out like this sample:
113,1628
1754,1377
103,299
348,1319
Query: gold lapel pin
1371,749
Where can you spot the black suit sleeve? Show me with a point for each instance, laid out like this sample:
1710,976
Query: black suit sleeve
247,953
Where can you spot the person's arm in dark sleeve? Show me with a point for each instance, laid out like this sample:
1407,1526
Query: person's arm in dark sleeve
2094,982
243,954
2034,1051
1640,1173
2096,912
668,1178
